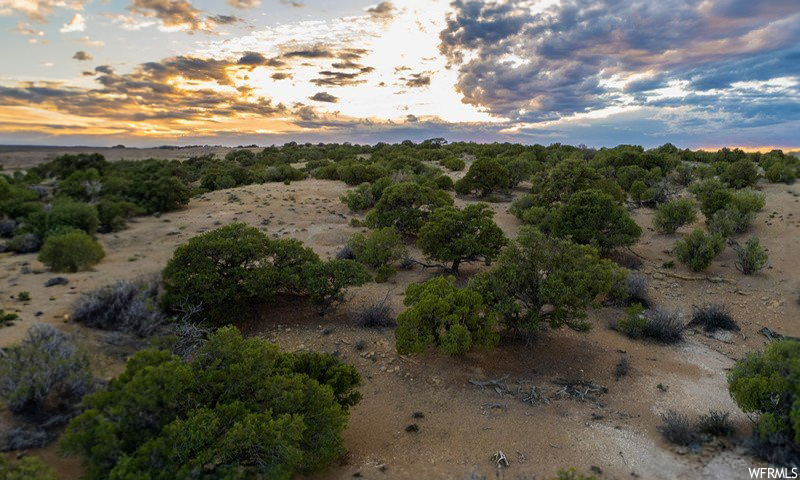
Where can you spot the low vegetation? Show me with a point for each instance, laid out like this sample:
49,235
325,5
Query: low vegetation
127,306
223,274
663,326
202,401
458,236
712,317
699,249
750,258
673,215
766,384
443,316
73,251
239,409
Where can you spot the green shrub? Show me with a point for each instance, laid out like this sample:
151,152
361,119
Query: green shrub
279,173
384,273
592,217
359,199
113,214
26,468
358,173
16,201
780,172
633,323
7,319
225,272
24,296
46,371
698,249
326,281
454,164
406,207
672,215
542,279
712,194
751,258
768,384
378,248
569,177
730,221
485,176
239,409
444,182
748,200
443,316
457,236
519,170
73,251
71,214
740,174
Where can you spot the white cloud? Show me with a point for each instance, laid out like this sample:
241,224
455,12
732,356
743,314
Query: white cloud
91,43
38,10
77,24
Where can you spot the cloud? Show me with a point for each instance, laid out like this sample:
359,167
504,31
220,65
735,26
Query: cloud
179,15
578,56
332,78
181,88
243,4
38,10
324,97
417,80
25,28
77,24
252,59
316,52
382,11
82,56
91,43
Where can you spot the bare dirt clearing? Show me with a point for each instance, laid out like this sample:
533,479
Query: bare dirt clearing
463,425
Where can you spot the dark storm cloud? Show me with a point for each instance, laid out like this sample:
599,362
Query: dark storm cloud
324,97
546,65
82,56
316,52
252,58
332,78
416,80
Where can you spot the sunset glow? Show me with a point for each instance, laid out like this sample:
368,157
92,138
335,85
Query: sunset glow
599,72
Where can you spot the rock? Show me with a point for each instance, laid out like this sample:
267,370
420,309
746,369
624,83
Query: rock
658,276
56,281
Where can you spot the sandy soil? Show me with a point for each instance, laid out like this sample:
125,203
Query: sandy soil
465,425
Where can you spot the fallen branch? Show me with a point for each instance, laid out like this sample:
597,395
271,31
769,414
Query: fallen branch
500,459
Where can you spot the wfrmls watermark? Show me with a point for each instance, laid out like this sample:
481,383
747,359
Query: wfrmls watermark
768,472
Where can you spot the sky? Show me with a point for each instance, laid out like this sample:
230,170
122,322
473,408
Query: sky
696,73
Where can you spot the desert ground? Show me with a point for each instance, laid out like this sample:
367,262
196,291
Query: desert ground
461,424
